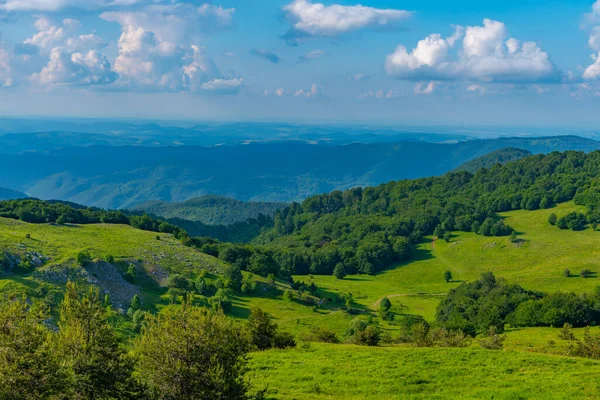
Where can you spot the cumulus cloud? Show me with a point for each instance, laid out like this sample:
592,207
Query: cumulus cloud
157,50
177,22
425,87
487,55
279,92
266,54
309,19
314,91
5,68
312,55
593,71
87,69
476,89
73,59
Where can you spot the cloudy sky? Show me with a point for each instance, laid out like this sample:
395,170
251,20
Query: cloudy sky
525,62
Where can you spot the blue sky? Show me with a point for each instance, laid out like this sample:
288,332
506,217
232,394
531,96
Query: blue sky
527,62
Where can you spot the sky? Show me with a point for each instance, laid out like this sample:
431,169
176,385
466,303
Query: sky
461,62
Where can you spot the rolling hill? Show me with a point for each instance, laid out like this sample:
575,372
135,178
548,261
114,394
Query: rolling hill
501,156
9,194
210,210
122,177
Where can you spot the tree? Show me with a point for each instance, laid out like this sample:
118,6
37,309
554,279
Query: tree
513,237
131,273
98,366
339,271
83,258
179,282
447,276
261,329
552,219
385,305
447,237
136,303
28,369
567,273
585,273
189,353
234,277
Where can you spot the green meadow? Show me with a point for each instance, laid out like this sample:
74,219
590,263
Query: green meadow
530,366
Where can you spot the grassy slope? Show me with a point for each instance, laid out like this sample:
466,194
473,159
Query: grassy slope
536,263
351,372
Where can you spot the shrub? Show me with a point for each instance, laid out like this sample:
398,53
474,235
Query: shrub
447,276
284,340
177,281
585,273
261,329
566,332
567,273
288,295
493,341
83,258
552,219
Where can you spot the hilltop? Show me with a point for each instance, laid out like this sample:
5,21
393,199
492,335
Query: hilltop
501,156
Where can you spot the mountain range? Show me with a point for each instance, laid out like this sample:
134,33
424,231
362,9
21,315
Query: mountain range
126,176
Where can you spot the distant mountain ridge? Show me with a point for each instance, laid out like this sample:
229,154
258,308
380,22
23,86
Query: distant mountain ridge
122,177
210,210
501,156
9,194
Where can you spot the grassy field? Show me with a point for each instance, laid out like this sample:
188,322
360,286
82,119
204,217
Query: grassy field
537,262
331,372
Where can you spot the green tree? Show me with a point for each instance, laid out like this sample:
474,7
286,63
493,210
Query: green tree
192,353
261,329
448,276
28,368
339,271
97,365
136,303
552,219
234,277
83,258
385,305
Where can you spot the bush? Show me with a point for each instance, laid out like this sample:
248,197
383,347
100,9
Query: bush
586,273
566,333
567,273
177,281
321,334
493,341
552,219
288,295
284,340
261,329
83,258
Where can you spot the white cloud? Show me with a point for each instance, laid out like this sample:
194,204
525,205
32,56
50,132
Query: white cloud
73,59
487,55
593,71
92,68
318,20
179,23
223,86
157,50
5,68
312,55
358,77
476,88
314,91
379,94
279,92
425,88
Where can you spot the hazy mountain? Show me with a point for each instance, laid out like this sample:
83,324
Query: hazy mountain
9,194
121,177
501,156
210,210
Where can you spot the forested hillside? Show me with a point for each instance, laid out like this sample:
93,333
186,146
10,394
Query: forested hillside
501,156
122,177
365,230
211,210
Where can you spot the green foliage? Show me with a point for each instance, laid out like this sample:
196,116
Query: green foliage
493,340
28,368
586,273
448,276
131,273
234,277
552,219
83,258
261,329
178,281
339,271
566,332
97,365
385,305
575,221
187,352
